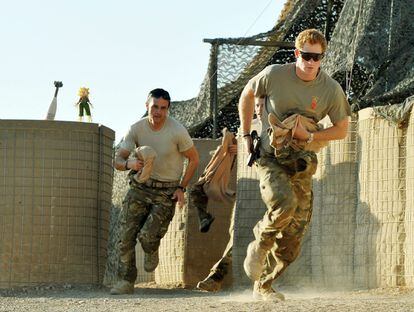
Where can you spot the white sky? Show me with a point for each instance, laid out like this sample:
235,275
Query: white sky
119,49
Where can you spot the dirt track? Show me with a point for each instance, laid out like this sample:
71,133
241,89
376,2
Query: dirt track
149,298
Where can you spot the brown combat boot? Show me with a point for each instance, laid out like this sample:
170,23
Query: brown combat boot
266,293
255,260
122,287
209,284
151,261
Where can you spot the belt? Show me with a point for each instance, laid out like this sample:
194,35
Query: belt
160,184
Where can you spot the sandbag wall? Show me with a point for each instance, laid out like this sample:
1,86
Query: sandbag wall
408,246
333,221
55,190
362,229
380,232
186,254
249,209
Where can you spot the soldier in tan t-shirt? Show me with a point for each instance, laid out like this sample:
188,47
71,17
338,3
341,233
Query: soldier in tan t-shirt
149,206
286,179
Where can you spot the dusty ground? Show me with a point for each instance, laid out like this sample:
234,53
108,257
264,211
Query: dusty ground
150,298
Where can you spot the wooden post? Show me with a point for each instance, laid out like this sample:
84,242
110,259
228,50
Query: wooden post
328,19
215,43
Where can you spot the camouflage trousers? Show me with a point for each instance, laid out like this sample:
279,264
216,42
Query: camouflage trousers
286,189
199,199
221,268
146,214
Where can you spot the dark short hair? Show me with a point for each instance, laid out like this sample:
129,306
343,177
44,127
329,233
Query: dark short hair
159,93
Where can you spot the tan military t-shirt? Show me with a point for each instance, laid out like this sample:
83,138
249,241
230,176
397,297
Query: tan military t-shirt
169,143
287,94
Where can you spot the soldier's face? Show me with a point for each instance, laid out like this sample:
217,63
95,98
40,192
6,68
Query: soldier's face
258,107
157,110
310,67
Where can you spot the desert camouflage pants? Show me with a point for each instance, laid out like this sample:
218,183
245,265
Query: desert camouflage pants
221,268
146,213
286,189
199,199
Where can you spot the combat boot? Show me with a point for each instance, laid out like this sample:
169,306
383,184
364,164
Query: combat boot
266,293
122,287
255,260
151,261
206,223
209,284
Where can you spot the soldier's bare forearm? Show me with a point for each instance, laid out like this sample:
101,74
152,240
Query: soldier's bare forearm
246,109
189,172
121,158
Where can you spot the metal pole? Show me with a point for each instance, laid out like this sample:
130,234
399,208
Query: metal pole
244,42
328,19
213,87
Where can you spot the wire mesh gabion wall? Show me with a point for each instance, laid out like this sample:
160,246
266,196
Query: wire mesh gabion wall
379,235
361,233
409,207
55,190
186,255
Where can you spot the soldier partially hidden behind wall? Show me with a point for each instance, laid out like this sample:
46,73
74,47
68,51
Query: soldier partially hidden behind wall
286,172
214,280
213,182
149,207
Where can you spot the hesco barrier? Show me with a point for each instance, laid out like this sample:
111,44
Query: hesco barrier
361,233
55,190
186,255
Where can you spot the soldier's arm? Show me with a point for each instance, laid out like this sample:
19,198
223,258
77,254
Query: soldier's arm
122,162
192,155
246,109
337,132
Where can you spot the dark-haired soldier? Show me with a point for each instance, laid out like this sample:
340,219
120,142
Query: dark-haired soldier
149,207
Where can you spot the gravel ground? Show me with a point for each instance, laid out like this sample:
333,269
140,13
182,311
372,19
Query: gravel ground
148,297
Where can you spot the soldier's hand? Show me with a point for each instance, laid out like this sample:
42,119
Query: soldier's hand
135,164
301,133
179,196
248,143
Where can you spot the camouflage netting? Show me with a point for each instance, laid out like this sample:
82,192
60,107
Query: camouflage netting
371,54
372,51
237,64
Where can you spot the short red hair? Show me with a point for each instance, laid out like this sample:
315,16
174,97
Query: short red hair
313,36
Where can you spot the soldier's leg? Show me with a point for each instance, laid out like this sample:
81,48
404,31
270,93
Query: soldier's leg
287,247
280,199
214,280
199,200
285,251
160,215
132,216
281,202
221,268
